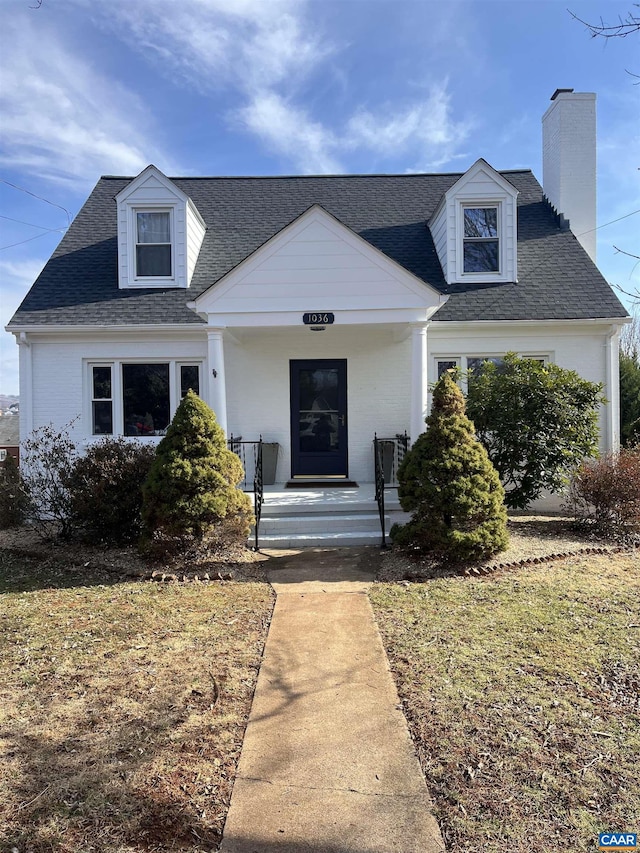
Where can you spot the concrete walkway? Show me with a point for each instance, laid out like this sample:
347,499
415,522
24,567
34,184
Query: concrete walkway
327,764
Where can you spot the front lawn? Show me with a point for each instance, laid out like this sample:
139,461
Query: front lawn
122,707
522,692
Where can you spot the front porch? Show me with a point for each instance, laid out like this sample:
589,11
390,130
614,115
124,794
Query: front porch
303,513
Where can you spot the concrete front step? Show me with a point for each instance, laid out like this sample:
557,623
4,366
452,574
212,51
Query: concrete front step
331,522
341,538
324,517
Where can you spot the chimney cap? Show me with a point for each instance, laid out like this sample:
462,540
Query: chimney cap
559,92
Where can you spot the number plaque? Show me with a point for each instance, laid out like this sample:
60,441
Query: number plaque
318,318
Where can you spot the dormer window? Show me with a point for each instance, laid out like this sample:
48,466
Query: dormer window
153,244
160,233
481,242
475,228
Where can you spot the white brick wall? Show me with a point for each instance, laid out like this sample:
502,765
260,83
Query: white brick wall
378,383
258,381
569,162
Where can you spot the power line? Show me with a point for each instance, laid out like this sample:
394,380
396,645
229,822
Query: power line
41,198
31,224
28,240
604,225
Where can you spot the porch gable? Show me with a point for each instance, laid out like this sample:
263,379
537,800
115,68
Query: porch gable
317,264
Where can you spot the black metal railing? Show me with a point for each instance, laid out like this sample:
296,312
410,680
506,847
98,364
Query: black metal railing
388,454
250,454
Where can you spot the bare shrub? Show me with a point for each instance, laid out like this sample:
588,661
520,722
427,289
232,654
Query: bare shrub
606,493
105,490
46,457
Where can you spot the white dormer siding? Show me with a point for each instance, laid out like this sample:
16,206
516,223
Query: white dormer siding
175,242
488,198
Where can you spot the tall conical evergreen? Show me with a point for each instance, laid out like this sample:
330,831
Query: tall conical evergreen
192,484
449,484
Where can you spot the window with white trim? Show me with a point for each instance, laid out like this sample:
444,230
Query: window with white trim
101,400
444,364
138,398
481,240
470,364
189,379
154,255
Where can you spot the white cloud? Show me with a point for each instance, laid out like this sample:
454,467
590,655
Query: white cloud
266,51
16,277
425,129
63,121
289,130
249,43
21,273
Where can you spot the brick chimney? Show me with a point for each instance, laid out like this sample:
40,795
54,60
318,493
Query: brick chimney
569,161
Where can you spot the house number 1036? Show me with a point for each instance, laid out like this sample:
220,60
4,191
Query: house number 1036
314,318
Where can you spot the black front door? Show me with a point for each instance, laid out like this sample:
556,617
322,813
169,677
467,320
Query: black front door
319,418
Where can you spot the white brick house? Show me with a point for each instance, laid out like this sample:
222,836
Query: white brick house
317,311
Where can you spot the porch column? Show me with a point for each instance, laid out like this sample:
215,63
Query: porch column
419,382
217,386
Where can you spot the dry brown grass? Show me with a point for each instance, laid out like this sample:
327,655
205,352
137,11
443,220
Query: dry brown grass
522,692
122,706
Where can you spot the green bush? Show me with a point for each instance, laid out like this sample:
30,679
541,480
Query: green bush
13,498
105,490
448,483
191,492
537,422
630,397
605,493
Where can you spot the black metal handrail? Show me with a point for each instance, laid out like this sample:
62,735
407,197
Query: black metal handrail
388,453
251,451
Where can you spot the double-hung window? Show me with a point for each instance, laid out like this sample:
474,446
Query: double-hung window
153,244
481,243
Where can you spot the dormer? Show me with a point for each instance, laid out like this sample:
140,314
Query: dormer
474,228
160,232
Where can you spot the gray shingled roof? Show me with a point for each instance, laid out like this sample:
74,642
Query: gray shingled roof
79,284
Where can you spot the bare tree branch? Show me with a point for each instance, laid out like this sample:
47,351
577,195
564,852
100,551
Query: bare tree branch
632,295
624,27
630,336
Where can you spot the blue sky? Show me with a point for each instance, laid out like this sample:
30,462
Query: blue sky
263,87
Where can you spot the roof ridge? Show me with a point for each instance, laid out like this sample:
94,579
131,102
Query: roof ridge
314,177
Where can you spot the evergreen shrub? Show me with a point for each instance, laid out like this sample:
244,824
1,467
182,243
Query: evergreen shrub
537,422
13,498
191,493
449,484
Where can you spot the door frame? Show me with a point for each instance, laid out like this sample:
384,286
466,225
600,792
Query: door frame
296,364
